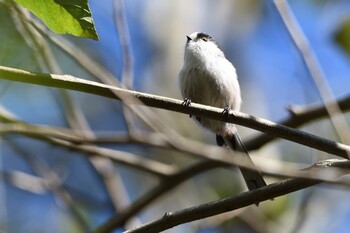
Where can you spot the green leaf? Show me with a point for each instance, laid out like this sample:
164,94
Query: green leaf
64,16
342,36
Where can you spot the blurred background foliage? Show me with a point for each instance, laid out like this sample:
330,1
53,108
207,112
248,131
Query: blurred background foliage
272,76
342,36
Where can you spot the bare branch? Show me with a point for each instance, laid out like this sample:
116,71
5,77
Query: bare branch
298,117
142,164
271,191
72,83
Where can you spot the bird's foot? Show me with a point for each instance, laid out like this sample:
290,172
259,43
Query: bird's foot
219,140
226,111
187,102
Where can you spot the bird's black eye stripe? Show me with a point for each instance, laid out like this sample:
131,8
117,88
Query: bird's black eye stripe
204,36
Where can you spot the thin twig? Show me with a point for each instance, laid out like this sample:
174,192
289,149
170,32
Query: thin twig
125,43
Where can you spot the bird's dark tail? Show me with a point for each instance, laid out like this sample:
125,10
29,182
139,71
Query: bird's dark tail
252,177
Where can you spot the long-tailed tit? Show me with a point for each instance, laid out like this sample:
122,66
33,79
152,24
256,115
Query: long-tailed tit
208,78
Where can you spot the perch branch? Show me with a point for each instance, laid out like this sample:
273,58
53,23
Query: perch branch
72,83
298,117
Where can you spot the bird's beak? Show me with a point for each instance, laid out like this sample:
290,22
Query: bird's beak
188,38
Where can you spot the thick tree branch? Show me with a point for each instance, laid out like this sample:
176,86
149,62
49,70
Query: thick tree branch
72,83
172,219
271,191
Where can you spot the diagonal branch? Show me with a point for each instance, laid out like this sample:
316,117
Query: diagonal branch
67,139
72,83
298,117
271,191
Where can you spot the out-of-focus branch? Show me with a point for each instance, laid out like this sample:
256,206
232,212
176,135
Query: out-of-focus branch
298,117
121,25
217,155
52,182
147,165
315,69
271,191
48,135
124,40
25,181
102,166
72,83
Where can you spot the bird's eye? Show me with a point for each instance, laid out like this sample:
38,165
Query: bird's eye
205,39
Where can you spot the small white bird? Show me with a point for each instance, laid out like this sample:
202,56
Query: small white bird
208,78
